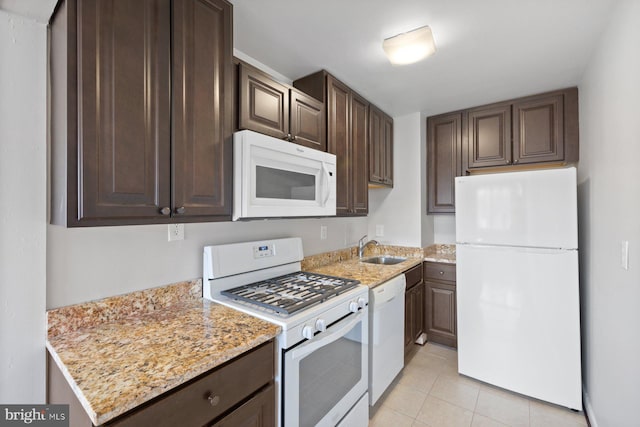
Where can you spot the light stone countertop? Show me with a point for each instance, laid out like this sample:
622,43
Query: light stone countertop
117,365
345,263
370,275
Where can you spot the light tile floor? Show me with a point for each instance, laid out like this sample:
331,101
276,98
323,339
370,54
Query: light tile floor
430,392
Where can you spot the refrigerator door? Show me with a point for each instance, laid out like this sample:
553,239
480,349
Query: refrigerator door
519,320
531,209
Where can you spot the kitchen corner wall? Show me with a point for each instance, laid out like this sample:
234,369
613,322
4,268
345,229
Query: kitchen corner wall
609,206
23,196
399,209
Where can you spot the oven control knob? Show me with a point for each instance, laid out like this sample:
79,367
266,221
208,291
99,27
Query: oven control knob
354,307
362,303
307,332
321,325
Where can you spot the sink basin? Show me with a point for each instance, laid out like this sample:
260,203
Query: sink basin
384,260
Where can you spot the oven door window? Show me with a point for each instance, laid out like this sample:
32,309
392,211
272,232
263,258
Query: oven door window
330,379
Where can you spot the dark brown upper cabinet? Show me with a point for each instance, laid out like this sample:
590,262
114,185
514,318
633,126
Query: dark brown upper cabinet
490,136
278,110
532,130
307,120
538,125
264,103
444,155
380,148
116,159
511,135
347,138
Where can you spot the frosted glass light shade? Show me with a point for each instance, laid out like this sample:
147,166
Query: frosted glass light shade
409,47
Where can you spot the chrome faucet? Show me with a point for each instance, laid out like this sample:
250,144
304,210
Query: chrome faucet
362,245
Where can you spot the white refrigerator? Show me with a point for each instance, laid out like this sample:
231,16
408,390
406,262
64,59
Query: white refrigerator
518,306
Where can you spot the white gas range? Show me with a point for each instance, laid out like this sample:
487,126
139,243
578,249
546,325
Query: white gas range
322,361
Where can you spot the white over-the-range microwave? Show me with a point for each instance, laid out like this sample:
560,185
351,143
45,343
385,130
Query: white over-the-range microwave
275,178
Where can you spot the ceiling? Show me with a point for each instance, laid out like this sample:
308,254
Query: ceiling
38,10
488,50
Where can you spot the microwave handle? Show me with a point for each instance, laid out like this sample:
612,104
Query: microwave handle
312,346
327,190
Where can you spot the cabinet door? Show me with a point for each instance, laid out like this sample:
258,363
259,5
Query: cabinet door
339,141
380,147
440,313
444,139
259,411
307,120
376,146
264,103
387,176
203,94
123,116
538,130
360,154
490,135
408,321
418,318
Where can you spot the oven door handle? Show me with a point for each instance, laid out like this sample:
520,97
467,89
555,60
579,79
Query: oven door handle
312,345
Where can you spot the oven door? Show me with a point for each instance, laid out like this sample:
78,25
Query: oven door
326,376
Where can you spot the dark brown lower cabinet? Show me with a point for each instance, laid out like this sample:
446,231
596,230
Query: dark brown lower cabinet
413,309
440,298
258,411
238,393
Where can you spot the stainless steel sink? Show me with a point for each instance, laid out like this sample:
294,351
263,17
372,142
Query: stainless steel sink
384,260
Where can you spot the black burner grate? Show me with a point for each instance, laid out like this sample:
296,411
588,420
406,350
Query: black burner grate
291,292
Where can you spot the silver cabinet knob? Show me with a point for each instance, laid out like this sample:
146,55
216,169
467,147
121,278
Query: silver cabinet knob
515,161
180,210
165,211
442,273
507,161
213,400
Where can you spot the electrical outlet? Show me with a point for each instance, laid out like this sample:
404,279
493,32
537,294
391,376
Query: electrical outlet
323,232
379,230
176,232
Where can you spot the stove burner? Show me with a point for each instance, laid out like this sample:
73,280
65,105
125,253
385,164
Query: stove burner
291,292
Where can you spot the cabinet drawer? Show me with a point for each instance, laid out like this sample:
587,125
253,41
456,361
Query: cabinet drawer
413,276
190,405
439,271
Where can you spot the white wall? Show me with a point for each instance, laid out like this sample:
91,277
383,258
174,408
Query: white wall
23,198
444,228
609,206
91,263
399,209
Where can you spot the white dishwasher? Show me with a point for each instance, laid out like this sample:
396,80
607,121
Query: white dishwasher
386,335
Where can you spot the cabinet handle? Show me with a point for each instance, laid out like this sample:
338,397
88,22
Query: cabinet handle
515,161
288,137
165,211
442,273
180,210
507,161
294,138
213,400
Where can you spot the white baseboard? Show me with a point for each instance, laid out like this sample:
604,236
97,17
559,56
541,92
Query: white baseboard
588,408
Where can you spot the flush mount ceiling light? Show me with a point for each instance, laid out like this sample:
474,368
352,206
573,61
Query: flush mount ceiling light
409,47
